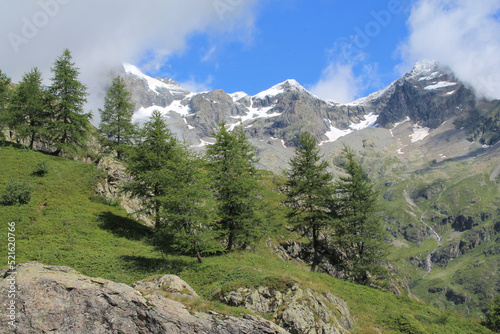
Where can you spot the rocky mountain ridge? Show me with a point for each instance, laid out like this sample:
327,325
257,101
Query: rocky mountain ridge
425,99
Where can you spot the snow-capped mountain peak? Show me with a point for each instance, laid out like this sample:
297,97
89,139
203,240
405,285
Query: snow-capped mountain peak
154,84
425,70
280,88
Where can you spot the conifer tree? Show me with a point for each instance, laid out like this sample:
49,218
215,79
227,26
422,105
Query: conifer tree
235,182
309,191
151,163
188,209
70,124
116,117
358,234
28,111
492,320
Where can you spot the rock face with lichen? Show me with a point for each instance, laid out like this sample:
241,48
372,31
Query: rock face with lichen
60,300
298,310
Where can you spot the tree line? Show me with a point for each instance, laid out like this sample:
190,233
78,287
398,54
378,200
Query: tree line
52,115
207,203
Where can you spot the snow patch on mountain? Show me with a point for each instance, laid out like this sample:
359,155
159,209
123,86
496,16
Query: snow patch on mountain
334,133
441,84
419,133
368,121
253,114
176,106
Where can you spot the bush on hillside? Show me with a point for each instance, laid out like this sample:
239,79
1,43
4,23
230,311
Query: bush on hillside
16,192
41,168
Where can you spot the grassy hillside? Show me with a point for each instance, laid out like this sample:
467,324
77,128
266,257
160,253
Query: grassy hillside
66,224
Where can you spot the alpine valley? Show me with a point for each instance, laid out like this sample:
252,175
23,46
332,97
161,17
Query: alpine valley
86,258
428,142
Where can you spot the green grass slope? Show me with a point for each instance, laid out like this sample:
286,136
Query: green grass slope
66,224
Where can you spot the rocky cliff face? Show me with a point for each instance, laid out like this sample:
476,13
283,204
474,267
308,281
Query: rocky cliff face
60,300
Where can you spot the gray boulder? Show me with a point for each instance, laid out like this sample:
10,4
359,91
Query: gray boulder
60,300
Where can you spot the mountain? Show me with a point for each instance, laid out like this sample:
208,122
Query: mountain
427,97
428,142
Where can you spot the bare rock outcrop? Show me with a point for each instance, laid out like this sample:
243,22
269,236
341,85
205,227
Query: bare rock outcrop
298,310
60,300
110,186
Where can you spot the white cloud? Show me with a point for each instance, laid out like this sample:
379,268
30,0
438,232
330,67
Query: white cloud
338,82
103,34
463,34
196,86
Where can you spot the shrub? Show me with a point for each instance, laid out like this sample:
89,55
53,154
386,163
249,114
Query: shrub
41,168
16,192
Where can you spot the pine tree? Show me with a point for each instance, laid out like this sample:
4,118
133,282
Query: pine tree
28,112
235,182
116,117
151,163
358,235
70,124
309,191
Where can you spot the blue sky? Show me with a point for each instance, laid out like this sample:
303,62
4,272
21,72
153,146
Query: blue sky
297,40
339,50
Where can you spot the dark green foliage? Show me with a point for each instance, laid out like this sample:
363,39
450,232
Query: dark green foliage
153,164
236,186
70,124
187,209
28,112
493,318
116,117
4,96
309,190
41,168
358,234
16,192
171,182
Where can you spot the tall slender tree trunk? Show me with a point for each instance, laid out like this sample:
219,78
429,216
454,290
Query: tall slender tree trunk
315,249
32,142
230,241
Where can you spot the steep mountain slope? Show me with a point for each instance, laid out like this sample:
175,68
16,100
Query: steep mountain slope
431,146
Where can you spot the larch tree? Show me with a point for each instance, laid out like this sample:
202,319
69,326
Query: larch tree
116,117
70,124
151,163
236,187
188,209
358,235
29,107
309,191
